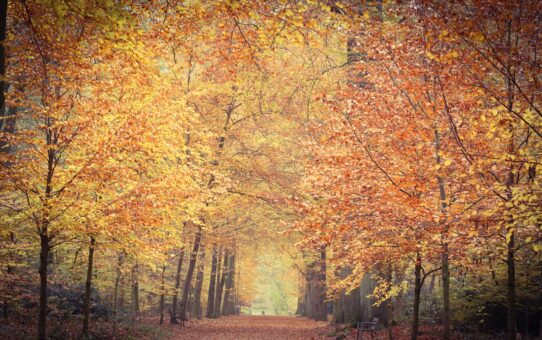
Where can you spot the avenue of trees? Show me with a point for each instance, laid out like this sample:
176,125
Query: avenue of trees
155,155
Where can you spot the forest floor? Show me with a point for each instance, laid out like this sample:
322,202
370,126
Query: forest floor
253,328
250,327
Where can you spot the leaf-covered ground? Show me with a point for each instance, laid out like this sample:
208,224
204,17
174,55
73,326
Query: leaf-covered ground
254,328
286,328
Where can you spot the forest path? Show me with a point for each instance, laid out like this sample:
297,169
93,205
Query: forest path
253,328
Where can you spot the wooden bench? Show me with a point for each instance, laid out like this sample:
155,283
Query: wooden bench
368,326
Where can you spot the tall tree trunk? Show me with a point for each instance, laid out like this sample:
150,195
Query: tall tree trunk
44,258
511,288
7,115
3,29
227,307
10,269
445,261
237,290
162,293
317,287
233,283
217,281
190,302
212,282
338,303
352,306
446,318
220,286
417,294
173,319
45,239
338,309
198,310
135,290
190,273
309,290
347,308
540,301
301,294
389,302
118,278
88,287
122,289
320,312
509,78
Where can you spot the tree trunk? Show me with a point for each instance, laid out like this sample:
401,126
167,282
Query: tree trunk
319,309
446,291
45,239
540,300
190,273
445,261
228,303
190,302
10,269
347,308
237,290
511,289
322,313
88,287
308,290
3,24
389,303
233,283
301,295
338,309
162,293
510,182
220,286
116,292
44,258
212,282
198,310
173,319
417,293
135,290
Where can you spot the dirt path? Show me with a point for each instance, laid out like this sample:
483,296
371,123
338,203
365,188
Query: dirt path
253,328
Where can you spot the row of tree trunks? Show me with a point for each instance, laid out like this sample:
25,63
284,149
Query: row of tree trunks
221,296
190,273
135,285
356,305
221,285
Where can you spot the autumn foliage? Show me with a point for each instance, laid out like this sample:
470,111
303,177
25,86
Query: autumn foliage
190,159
